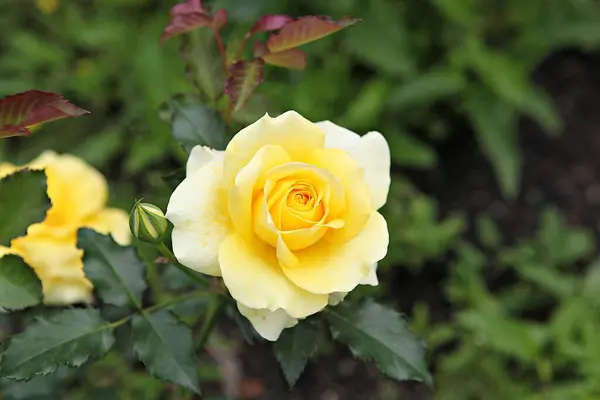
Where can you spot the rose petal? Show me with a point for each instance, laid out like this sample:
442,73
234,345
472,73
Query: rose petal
336,298
268,324
197,209
254,278
294,133
111,221
371,278
327,268
357,199
370,151
200,156
76,189
7,169
57,262
242,194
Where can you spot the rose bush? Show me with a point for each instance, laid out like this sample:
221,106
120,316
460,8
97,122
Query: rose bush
287,215
78,194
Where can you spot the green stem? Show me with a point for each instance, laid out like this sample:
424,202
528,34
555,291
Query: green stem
210,318
164,250
156,307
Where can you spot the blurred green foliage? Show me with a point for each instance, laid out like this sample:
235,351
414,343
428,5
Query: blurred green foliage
411,69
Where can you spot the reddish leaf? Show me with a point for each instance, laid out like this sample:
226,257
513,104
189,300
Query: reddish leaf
270,22
291,58
188,6
244,77
22,110
185,17
220,19
259,49
305,30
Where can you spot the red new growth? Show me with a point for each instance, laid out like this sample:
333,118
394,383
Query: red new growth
185,17
22,110
271,22
305,30
244,77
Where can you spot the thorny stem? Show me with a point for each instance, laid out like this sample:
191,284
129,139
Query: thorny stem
221,49
156,307
242,45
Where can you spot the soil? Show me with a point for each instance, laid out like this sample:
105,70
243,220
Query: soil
563,171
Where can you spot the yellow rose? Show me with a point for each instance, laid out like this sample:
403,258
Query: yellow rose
287,215
78,194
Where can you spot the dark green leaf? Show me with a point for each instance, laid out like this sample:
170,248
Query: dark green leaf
374,332
174,178
24,202
195,124
70,338
495,126
40,387
246,329
19,285
116,271
166,348
294,348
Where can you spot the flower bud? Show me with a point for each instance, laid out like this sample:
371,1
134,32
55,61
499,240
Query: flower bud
148,223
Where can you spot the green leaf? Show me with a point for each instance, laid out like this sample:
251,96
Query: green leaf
244,78
166,348
487,231
24,202
294,348
246,329
591,282
521,340
463,12
409,151
495,127
195,124
116,272
427,88
509,80
19,285
69,337
204,67
374,332
23,110
39,388
305,30
365,110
